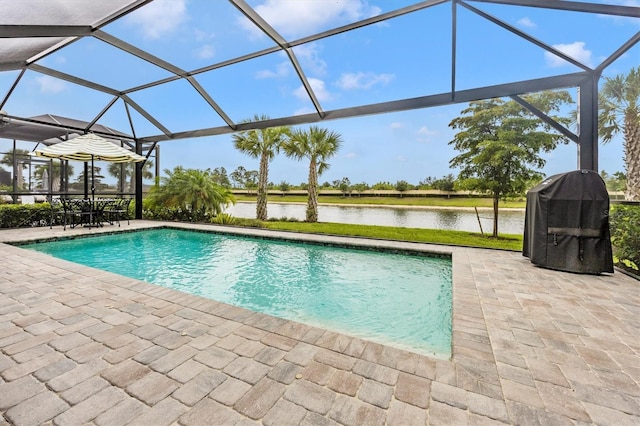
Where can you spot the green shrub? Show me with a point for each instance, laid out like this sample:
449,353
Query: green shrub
625,235
168,214
224,219
23,215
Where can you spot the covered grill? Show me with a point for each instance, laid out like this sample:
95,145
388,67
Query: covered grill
567,224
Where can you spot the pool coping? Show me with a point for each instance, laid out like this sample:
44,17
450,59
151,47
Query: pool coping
361,244
480,369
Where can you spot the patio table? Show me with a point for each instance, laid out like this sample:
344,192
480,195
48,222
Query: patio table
85,212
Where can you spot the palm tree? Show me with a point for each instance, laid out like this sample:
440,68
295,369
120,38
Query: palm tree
620,112
263,144
191,190
22,159
54,170
127,171
317,145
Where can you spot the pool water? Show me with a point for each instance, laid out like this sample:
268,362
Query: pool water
396,299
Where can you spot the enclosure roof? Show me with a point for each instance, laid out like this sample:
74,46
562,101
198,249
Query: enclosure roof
50,129
61,42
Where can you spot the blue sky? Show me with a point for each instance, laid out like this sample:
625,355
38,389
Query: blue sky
405,57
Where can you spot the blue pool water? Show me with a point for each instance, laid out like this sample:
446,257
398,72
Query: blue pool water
397,299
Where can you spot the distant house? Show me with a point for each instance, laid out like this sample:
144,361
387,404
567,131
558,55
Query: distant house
5,178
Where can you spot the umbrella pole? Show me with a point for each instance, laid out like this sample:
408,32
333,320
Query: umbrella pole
86,180
93,181
93,194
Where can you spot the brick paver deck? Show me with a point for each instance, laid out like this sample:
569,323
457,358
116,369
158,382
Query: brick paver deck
530,346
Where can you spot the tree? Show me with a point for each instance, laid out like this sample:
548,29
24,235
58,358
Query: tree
402,186
427,183
446,183
251,179
361,187
284,186
383,186
126,172
237,176
220,177
55,170
22,158
317,145
619,111
500,142
94,176
263,144
191,190
344,185
615,182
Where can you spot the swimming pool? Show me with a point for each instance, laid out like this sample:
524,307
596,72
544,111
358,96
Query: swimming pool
396,299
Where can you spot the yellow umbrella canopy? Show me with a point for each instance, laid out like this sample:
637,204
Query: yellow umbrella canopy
89,147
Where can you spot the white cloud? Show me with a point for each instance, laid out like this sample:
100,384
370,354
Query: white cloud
351,155
282,70
304,110
401,158
425,131
206,51
319,89
526,22
361,80
202,35
159,17
397,125
424,134
50,85
575,50
309,57
297,18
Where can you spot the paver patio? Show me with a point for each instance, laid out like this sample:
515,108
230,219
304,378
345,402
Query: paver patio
530,346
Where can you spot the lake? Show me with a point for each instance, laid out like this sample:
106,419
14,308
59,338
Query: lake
509,221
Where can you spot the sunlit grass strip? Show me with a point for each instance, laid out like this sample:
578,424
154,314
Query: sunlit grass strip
393,201
433,236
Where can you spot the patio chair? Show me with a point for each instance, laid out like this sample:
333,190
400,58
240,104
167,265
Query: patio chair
57,212
117,209
74,209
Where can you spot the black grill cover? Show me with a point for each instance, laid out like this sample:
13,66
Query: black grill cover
566,224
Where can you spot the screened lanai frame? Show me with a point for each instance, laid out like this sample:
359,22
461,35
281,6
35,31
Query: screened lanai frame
26,37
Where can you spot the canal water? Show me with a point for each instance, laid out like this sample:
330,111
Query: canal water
509,221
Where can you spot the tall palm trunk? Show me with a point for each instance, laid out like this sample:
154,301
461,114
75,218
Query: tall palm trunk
632,154
261,206
496,200
312,201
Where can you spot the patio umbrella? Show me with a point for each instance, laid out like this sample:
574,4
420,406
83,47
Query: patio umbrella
89,147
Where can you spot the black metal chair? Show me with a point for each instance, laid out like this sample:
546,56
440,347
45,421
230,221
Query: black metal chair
57,212
117,209
78,211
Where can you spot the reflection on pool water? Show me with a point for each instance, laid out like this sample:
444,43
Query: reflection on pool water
397,299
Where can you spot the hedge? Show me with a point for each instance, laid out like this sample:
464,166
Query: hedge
625,235
24,215
30,215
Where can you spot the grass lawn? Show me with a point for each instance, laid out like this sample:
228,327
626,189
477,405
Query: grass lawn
432,236
394,201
